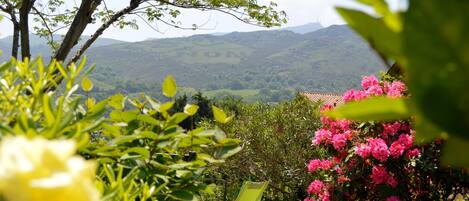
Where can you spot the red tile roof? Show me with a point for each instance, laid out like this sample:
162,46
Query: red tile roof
325,98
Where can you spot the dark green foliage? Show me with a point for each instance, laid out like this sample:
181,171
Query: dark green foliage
276,143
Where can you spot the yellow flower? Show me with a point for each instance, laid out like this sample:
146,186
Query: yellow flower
39,169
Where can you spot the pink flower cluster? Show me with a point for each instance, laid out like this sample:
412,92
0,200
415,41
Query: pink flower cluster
361,148
318,187
372,87
319,164
379,175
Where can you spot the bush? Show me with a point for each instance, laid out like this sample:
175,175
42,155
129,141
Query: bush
141,151
275,143
379,160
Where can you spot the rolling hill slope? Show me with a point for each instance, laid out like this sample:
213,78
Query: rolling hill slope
330,59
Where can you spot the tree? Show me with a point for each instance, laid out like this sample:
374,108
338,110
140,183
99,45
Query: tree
54,15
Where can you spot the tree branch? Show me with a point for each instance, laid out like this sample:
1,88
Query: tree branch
51,36
81,20
133,5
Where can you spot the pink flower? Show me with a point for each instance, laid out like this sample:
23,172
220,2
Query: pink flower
314,165
348,135
386,86
322,135
344,124
349,95
379,175
339,141
326,164
363,150
315,187
393,198
391,129
369,81
325,196
412,153
309,199
379,149
360,95
392,181
396,89
326,107
406,140
374,90
396,149
353,95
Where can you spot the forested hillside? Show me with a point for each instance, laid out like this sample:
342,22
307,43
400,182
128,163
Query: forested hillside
262,65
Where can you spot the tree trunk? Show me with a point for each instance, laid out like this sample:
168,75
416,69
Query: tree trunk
133,5
81,20
16,35
24,27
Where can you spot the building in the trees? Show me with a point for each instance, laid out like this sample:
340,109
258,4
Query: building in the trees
325,98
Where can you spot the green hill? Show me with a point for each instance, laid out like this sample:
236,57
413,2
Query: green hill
270,65
330,59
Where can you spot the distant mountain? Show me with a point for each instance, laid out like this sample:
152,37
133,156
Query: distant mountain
261,63
39,44
330,59
306,28
302,29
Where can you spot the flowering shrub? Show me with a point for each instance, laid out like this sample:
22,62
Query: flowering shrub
375,160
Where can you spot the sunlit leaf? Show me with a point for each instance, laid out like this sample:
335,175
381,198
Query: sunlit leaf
191,109
90,102
169,86
220,116
117,101
377,108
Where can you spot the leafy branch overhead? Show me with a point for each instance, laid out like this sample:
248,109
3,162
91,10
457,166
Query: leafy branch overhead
52,16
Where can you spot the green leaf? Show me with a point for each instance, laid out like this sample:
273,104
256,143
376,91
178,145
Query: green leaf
182,195
191,109
370,109
374,30
165,106
177,118
228,151
183,174
98,110
220,116
139,150
438,71
86,84
117,101
169,86
455,152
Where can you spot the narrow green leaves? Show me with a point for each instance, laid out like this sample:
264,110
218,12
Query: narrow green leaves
169,86
377,108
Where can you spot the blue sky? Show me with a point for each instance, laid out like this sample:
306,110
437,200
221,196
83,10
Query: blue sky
299,12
